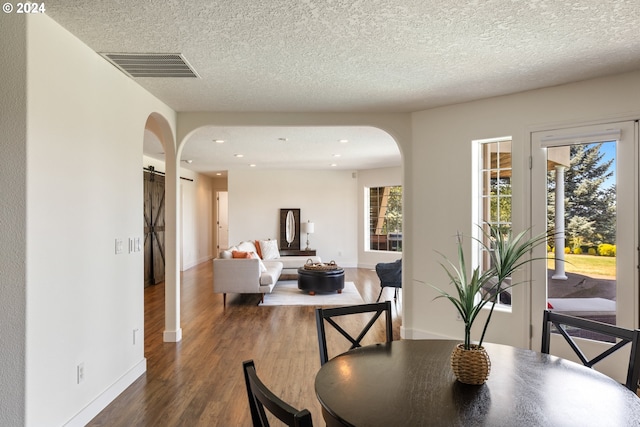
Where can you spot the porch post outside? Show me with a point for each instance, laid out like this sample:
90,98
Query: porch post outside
559,223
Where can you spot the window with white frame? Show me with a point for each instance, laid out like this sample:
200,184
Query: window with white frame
385,218
493,188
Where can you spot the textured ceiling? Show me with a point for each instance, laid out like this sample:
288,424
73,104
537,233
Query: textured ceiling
361,55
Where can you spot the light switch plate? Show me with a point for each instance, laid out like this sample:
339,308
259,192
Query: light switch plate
119,246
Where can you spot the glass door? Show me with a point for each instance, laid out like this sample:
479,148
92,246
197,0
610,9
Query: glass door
584,190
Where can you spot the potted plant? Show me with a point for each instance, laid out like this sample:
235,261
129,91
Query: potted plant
474,291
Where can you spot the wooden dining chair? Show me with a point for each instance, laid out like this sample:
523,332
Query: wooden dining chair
624,337
260,397
328,315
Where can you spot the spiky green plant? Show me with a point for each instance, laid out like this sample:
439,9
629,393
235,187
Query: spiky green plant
507,253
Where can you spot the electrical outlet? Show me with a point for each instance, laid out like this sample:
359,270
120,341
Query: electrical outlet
135,334
80,372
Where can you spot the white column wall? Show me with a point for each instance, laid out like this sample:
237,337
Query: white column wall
85,133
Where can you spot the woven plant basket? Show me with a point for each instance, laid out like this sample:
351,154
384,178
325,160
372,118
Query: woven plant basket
470,366
310,265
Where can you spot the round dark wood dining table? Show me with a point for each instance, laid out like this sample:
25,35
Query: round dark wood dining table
410,383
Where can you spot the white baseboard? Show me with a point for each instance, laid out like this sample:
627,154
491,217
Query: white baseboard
347,264
172,336
199,261
102,401
367,266
416,334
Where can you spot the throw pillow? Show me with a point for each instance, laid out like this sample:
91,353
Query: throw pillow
258,251
226,254
269,249
240,254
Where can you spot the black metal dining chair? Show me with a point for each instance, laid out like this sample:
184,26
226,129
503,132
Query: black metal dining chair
624,337
260,397
328,315
390,275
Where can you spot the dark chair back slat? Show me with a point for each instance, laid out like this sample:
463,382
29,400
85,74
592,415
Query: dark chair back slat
327,314
260,397
625,336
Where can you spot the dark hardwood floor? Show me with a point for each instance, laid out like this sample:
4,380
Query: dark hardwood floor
199,380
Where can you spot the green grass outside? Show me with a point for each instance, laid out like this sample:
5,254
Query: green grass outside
587,265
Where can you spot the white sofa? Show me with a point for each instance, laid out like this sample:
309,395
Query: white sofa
258,273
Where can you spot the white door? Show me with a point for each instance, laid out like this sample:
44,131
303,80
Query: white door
222,221
584,185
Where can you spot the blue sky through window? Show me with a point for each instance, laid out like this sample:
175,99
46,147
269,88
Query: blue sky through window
609,150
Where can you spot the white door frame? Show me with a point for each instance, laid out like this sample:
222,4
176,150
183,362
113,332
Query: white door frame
627,220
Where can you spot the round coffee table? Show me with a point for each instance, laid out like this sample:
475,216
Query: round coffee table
320,280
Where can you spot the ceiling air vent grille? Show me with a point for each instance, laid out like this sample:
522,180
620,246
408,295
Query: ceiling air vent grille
151,64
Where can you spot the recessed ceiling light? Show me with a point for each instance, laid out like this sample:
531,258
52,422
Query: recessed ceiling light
333,165
252,165
218,173
219,141
343,141
337,155
239,155
283,139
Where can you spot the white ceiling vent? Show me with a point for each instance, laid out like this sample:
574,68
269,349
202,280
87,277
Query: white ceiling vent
151,64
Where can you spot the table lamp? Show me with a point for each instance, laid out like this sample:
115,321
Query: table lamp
308,227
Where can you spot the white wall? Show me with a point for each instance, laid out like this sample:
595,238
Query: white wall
441,160
327,198
333,200
197,220
13,208
367,179
86,124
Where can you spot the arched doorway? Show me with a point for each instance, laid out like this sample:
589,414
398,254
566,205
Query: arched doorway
294,152
398,126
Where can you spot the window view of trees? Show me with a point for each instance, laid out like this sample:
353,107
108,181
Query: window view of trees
495,196
496,184
584,267
588,173
500,206
385,218
590,198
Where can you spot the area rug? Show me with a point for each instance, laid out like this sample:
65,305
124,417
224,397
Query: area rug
287,293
